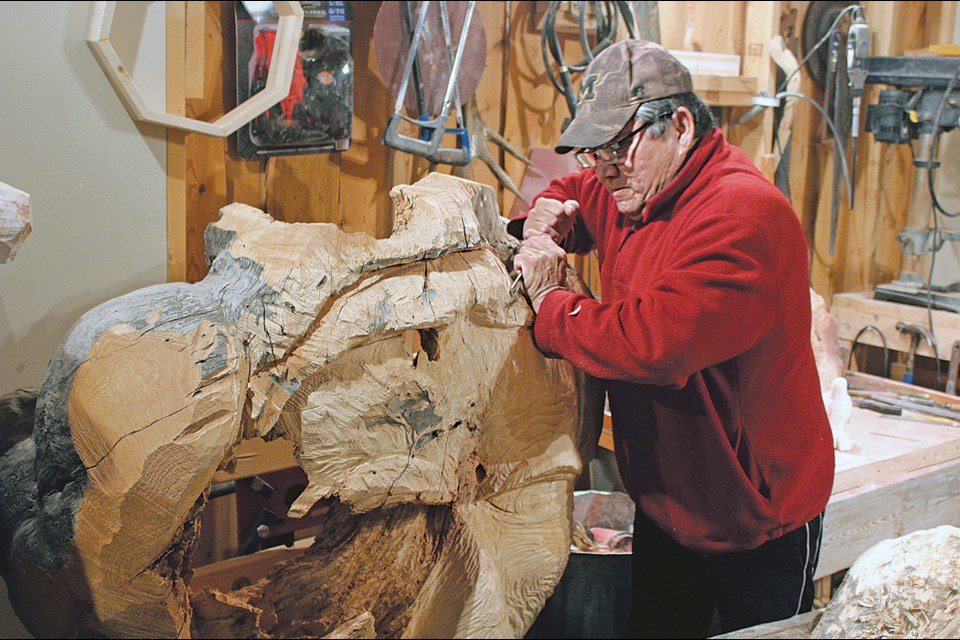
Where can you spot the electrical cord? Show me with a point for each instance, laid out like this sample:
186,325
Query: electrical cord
819,43
836,138
936,129
883,340
936,208
783,84
608,17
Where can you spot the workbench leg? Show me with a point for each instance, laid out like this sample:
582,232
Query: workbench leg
822,592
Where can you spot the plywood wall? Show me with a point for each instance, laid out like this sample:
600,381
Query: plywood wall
515,97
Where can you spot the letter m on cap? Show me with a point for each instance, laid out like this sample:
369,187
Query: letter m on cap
588,88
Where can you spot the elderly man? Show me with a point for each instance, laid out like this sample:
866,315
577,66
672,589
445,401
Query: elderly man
703,337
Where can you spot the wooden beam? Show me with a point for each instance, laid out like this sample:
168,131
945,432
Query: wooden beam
176,150
856,520
755,137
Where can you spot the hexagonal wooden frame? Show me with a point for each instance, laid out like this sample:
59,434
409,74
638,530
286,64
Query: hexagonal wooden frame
279,75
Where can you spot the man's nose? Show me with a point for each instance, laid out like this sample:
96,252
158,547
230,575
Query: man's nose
606,171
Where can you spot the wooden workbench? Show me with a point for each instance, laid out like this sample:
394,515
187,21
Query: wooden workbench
901,476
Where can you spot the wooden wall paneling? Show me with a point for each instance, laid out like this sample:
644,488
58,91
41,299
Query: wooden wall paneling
535,109
943,22
218,532
755,137
806,139
884,182
716,27
365,183
176,149
306,188
205,168
827,269
246,178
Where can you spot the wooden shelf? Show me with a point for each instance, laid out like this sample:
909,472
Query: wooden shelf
853,311
725,91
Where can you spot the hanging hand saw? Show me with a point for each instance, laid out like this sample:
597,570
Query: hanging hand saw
431,129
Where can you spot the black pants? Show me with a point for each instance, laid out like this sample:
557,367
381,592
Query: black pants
678,593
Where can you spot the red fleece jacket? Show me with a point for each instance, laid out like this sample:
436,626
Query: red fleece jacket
703,334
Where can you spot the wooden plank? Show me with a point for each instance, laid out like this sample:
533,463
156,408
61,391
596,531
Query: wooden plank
218,532
885,446
235,573
176,149
245,177
725,91
715,27
205,172
860,381
755,137
256,457
306,188
364,201
800,626
803,153
709,63
853,311
725,84
195,37
535,110
490,91
857,519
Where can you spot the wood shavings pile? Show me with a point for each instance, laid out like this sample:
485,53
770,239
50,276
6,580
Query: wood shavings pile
907,587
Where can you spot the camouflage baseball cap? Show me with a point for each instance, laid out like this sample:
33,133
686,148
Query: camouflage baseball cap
621,78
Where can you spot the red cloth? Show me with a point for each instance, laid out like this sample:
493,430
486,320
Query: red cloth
704,336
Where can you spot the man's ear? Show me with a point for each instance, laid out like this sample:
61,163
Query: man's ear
686,128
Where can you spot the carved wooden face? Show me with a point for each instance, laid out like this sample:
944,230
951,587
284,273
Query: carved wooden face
403,371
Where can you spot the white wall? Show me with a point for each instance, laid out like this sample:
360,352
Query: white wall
96,181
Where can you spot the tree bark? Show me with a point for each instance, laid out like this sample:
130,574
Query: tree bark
444,445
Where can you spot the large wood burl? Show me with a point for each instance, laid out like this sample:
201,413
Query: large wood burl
405,374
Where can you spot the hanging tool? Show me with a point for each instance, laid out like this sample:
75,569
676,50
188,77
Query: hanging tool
834,73
916,332
406,11
431,129
460,131
858,48
607,16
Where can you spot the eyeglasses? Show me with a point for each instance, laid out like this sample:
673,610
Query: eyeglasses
609,154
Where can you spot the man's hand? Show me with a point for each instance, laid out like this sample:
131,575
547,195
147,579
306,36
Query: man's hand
551,218
544,267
